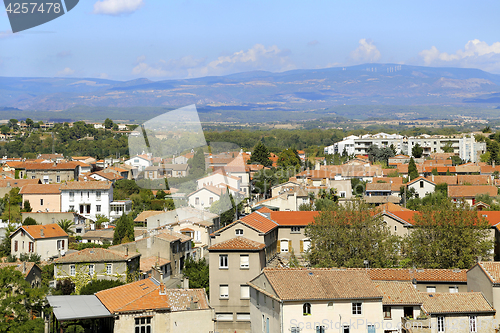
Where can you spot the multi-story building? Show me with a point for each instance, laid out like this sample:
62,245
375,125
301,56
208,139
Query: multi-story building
89,198
48,241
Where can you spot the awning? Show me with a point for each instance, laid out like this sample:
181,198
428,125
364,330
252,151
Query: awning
75,307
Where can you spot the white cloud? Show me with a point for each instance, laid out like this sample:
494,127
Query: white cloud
117,7
475,54
365,52
257,58
65,72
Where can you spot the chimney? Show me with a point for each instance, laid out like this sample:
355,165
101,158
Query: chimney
433,178
162,289
41,233
24,267
185,283
193,305
126,251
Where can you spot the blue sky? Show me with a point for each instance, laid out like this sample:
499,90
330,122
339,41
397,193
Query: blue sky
164,39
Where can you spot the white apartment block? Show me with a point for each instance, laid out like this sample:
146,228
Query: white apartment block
464,145
87,198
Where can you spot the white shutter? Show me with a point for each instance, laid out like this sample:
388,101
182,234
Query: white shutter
224,291
245,292
244,261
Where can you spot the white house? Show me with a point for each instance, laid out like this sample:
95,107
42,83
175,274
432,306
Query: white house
219,177
47,240
422,186
87,198
140,162
314,301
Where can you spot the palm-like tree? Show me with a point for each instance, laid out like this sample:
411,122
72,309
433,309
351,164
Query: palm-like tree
66,226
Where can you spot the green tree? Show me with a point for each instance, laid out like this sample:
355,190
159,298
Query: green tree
100,219
448,147
289,158
448,236
29,221
197,272
262,182
161,194
4,129
417,151
29,122
27,206
108,123
260,155
412,169
97,285
65,287
124,230
197,163
347,235
66,225
225,208
293,262
19,301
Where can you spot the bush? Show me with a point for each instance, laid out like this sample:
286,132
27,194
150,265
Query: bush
66,286
97,285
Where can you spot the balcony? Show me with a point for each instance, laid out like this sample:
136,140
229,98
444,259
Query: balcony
418,325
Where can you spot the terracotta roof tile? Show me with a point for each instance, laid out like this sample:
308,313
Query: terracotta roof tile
466,302
18,182
95,255
450,180
288,218
18,266
492,270
398,293
49,231
320,283
237,243
259,221
147,214
421,275
149,262
96,185
378,187
41,189
474,179
470,191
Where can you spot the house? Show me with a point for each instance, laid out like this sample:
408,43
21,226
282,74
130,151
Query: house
154,219
147,306
88,198
48,241
379,193
219,177
176,170
197,229
291,227
149,265
469,192
52,172
422,186
239,250
485,277
98,263
32,272
314,300
140,162
79,221
99,236
400,299
105,176
7,184
51,157
460,312
42,197
204,197
290,200
118,208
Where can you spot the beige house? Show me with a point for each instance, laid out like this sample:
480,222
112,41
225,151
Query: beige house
197,229
485,277
7,184
42,197
98,263
289,200
49,241
32,272
52,172
99,236
147,306
422,186
314,300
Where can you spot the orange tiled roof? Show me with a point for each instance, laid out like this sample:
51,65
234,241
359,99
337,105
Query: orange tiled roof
18,182
149,262
491,269
264,210
391,207
94,185
238,243
418,179
288,218
41,189
320,283
18,266
465,302
258,221
95,255
147,214
398,293
474,179
421,275
49,231
470,191
450,180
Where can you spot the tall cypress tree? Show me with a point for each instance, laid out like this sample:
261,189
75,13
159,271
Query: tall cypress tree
261,155
412,169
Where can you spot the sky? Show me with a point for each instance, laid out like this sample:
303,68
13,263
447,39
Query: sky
167,39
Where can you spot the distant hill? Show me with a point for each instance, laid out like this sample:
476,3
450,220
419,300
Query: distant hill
305,89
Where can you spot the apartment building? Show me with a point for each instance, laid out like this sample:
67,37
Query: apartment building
87,198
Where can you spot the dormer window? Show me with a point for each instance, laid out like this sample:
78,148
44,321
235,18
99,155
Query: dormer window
239,232
295,229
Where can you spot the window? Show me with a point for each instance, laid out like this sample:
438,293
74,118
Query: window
440,324
346,329
31,247
196,201
387,312
224,291
109,269
143,325
71,196
15,246
356,308
98,208
224,316
239,232
223,261
41,202
210,200
71,208
60,244
421,184
320,329
473,324
243,316
98,195
306,309
431,289
342,194
245,291
371,328
244,261
295,229
330,306
454,289
58,179
72,270
294,329
91,269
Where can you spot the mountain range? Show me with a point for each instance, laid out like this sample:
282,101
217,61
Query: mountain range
296,90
